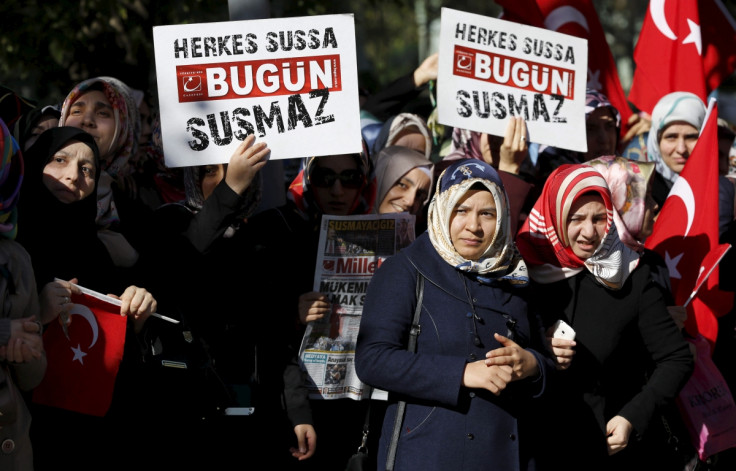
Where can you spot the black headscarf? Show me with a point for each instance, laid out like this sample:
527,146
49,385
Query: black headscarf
61,237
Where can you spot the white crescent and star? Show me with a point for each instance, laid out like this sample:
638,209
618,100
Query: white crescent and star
84,311
656,10
559,17
681,189
563,15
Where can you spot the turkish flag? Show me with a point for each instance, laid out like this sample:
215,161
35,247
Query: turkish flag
683,46
82,368
576,18
686,231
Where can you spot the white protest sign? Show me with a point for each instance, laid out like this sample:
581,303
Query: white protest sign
292,82
491,70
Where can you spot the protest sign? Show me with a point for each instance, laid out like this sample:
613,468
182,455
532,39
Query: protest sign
491,70
290,81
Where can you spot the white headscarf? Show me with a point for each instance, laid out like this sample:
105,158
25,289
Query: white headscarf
678,106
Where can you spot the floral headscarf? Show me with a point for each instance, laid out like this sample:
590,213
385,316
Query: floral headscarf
501,260
628,181
394,162
127,120
678,106
11,177
543,241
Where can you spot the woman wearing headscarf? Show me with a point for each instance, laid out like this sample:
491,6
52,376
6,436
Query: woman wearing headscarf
602,130
480,357
241,355
403,182
105,108
43,215
404,129
36,121
628,358
58,203
22,355
340,185
676,121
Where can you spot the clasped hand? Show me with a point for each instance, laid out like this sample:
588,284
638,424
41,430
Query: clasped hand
500,367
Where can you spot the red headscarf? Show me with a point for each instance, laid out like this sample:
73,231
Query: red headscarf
543,242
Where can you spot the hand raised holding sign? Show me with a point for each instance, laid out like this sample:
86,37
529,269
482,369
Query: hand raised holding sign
246,161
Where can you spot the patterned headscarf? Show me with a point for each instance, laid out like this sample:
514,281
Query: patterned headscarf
678,106
501,260
394,162
594,100
303,198
127,120
543,242
628,181
11,177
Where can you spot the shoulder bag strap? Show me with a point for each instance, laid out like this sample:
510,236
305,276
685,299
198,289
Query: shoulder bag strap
413,334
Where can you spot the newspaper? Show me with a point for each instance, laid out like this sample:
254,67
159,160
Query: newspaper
351,248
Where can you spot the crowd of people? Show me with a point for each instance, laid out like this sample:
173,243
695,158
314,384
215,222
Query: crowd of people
511,236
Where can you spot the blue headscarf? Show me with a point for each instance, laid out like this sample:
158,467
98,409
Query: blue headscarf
501,260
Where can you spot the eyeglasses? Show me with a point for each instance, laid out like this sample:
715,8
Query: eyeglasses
325,178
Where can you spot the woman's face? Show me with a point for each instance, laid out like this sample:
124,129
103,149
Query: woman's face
586,225
336,182
93,113
46,122
677,143
601,133
212,176
70,174
407,194
473,224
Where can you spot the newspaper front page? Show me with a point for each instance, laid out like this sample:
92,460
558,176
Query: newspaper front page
351,248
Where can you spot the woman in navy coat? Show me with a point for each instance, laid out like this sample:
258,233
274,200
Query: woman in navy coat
480,357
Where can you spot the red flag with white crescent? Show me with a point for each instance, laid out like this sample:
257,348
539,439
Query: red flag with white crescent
686,230
683,46
82,367
576,18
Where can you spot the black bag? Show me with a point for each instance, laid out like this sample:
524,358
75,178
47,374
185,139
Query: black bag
361,460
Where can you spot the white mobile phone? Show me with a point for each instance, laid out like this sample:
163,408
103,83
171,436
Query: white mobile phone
563,331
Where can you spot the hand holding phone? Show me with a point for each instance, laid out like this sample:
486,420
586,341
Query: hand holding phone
563,331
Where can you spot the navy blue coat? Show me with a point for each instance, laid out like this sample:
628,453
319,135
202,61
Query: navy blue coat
447,426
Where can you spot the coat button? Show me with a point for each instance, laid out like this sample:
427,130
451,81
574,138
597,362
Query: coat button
7,446
473,357
512,437
471,436
472,394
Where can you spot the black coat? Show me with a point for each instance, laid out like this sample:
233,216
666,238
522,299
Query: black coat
631,360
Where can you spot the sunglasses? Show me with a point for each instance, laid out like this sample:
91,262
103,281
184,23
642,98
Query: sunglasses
324,178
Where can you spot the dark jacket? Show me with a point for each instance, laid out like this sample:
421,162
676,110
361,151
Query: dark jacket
631,360
447,426
215,285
